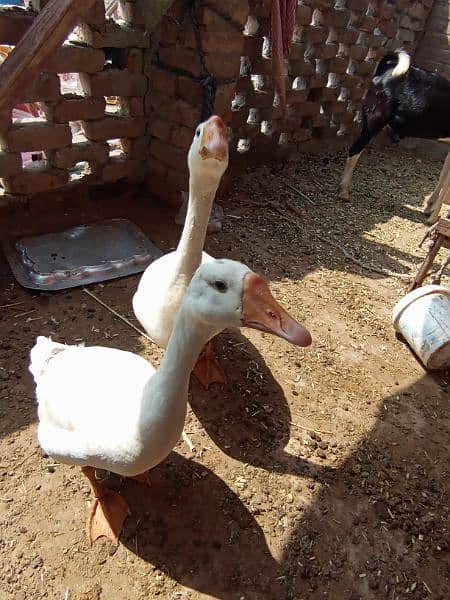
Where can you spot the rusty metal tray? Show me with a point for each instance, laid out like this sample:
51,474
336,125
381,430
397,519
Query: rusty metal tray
80,255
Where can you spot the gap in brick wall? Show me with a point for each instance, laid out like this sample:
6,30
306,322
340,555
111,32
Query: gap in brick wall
113,105
70,84
37,156
28,113
115,148
76,128
79,171
243,145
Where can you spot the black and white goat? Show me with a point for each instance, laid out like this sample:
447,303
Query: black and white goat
414,103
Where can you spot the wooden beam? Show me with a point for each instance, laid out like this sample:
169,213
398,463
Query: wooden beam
14,22
48,31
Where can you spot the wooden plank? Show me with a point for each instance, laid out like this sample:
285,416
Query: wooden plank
14,22
443,227
48,31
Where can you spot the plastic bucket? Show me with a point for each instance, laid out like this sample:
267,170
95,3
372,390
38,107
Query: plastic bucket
422,317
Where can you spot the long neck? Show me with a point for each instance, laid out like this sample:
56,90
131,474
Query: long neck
202,191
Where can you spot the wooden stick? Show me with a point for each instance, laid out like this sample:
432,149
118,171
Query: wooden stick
324,432
48,31
12,304
299,192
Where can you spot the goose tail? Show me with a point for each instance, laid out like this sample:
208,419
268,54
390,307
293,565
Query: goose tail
43,351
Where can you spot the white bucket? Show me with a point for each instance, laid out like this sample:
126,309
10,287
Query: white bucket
423,319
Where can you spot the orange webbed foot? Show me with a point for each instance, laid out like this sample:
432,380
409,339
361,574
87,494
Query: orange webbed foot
208,369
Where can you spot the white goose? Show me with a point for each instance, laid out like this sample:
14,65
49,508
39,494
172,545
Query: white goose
109,409
164,282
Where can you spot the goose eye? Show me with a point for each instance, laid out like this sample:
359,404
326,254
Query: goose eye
220,286
197,133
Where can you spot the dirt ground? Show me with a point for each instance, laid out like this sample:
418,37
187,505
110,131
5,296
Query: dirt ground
316,473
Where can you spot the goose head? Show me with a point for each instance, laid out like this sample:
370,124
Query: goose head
208,154
226,293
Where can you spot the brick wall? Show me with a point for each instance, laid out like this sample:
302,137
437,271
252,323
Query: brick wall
90,126
434,48
136,119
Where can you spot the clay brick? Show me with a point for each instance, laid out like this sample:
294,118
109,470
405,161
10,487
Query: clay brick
314,34
214,22
388,28
177,111
318,81
181,137
308,109
252,45
65,158
113,35
168,31
189,90
260,99
405,35
349,36
385,11
75,59
35,179
114,82
303,15
123,167
417,11
96,15
111,128
75,109
134,106
26,137
357,52
357,5
181,58
324,51
178,180
160,188
160,129
304,68
296,96
156,168
328,94
46,87
136,147
236,9
131,13
169,155
10,164
213,42
224,96
338,65
297,51
163,81
135,60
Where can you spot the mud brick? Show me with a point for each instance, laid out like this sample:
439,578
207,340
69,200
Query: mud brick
135,60
46,87
156,167
417,26
169,155
338,65
178,180
314,34
111,128
113,35
189,90
296,96
217,41
244,85
368,23
10,164
321,120
160,188
222,103
324,3
96,15
74,109
123,167
349,36
329,94
297,51
162,80
385,11
181,58
375,41
357,5
260,99
136,147
303,15
308,109
301,134
225,65
5,120
357,52
75,59
344,117
131,12
417,11
318,81
133,106
35,179
65,158
405,21
253,46
26,137
178,111
365,67
214,22
114,82
324,51
168,31
388,28
160,129
405,35
349,80
334,18
303,68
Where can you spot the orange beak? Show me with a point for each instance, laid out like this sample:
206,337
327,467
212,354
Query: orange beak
214,140
261,311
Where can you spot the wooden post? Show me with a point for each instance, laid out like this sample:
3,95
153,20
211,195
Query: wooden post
48,31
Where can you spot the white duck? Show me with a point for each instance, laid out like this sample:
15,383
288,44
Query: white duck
164,282
109,409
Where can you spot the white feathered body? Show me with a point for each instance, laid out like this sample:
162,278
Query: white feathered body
92,409
159,295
